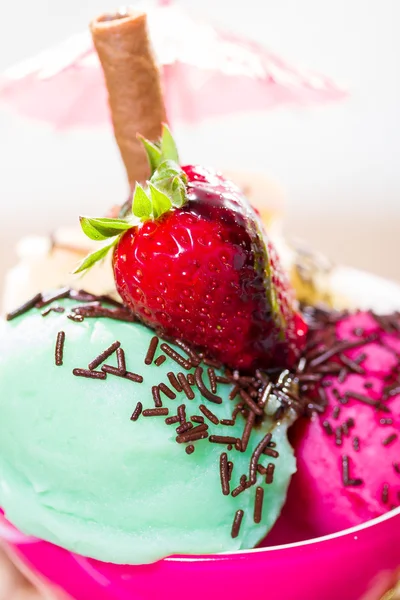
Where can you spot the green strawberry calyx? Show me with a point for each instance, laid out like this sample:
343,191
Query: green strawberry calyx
164,191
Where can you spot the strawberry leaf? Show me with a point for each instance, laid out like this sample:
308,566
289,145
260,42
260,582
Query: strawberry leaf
154,154
95,257
168,168
169,150
161,202
170,179
165,190
102,229
161,151
178,192
141,204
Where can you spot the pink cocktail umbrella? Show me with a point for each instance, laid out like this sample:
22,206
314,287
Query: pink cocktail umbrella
205,72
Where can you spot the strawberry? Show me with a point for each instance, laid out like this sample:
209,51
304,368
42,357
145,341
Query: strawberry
194,264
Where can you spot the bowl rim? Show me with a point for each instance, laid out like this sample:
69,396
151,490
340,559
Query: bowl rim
318,540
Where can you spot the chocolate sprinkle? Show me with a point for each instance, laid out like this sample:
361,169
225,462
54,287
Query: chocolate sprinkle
96,312
160,360
396,467
213,380
336,412
345,428
53,297
390,439
351,364
56,309
328,427
89,374
75,318
237,521
250,403
155,412
137,412
178,358
392,390
209,414
258,504
193,356
133,377
356,444
151,351
248,428
197,419
361,398
264,395
172,420
386,421
192,437
110,370
210,362
121,360
338,348
59,352
338,435
182,413
256,457
230,469
189,449
155,391
184,427
174,382
103,356
221,379
202,388
347,481
234,392
24,307
271,452
197,433
224,474
269,477
238,490
385,493
310,378
222,439
185,386
167,391
190,379
326,383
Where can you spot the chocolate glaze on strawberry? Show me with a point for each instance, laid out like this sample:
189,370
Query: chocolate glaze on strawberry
199,274
198,267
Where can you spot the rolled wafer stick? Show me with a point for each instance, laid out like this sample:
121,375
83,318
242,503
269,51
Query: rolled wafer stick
133,84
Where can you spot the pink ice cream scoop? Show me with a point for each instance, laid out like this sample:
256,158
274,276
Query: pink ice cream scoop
349,457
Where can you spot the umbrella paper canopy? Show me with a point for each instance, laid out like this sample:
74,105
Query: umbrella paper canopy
205,72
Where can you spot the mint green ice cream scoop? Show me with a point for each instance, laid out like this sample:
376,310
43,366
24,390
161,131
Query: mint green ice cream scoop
84,466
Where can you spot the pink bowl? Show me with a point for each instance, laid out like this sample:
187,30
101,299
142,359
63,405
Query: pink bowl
341,566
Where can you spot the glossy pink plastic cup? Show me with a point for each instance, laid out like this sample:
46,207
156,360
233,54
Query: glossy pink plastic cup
340,566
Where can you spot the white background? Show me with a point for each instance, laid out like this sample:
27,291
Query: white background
339,164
